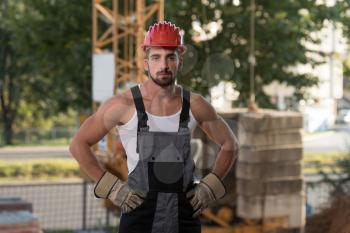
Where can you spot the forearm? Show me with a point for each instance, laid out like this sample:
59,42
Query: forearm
86,159
224,161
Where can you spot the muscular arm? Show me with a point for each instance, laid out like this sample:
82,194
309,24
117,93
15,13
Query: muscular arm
93,130
218,131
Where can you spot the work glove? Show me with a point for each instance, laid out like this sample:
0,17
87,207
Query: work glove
207,191
111,187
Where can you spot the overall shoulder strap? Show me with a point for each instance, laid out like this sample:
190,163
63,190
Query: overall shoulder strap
140,108
185,112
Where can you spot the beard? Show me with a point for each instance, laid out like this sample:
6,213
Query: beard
162,80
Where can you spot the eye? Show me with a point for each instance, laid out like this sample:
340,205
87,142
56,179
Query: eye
172,58
154,58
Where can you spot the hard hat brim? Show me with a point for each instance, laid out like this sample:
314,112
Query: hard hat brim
181,48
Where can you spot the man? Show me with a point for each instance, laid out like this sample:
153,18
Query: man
155,120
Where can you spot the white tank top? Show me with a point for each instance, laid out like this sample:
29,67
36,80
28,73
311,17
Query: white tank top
128,132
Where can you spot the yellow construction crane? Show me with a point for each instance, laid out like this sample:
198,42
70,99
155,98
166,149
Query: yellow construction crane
123,30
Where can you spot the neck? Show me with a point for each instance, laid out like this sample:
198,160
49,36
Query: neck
155,91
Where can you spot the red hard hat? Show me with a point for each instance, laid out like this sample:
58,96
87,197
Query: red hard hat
164,34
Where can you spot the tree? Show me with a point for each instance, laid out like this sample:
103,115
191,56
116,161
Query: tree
45,58
344,16
282,30
55,37
338,177
13,72
345,20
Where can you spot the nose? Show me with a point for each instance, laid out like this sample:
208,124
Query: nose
164,63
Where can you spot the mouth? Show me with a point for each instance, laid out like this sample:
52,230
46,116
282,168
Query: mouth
164,73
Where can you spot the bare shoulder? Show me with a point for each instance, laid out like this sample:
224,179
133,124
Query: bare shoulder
201,109
112,112
117,109
120,101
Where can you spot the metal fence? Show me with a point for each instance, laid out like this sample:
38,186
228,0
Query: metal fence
73,207
317,194
64,206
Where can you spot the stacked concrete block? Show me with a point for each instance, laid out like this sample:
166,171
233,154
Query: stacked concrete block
18,222
269,181
16,217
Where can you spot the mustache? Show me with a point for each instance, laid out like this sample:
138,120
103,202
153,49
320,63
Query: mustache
164,72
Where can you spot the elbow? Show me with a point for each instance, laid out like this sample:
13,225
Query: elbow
232,146
73,148
236,147
78,148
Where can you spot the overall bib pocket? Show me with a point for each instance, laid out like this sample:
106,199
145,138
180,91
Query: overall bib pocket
165,177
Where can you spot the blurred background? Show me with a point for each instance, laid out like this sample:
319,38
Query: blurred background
277,71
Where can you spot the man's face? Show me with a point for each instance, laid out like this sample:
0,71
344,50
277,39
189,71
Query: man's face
162,65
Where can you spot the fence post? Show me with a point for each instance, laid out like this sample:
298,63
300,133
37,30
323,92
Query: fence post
107,217
53,133
84,203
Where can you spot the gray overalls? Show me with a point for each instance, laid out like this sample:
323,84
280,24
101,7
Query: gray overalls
165,171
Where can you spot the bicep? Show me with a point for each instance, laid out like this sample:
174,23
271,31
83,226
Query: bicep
98,125
211,123
91,131
219,132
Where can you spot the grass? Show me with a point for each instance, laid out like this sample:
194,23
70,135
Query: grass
329,157
13,171
38,169
314,162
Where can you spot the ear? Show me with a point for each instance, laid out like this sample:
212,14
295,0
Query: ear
145,64
180,62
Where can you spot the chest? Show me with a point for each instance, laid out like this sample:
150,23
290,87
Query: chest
156,107
163,107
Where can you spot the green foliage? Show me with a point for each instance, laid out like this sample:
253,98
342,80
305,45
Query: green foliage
346,73
282,29
54,37
344,16
39,169
30,116
338,176
14,71
316,161
45,52
45,62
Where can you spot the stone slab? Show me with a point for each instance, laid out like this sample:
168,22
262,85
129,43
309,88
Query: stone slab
14,204
278,153
18,222
270,120
258,207
269,138
265,171
269,187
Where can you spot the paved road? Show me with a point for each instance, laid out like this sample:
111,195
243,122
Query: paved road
335,140
35,152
